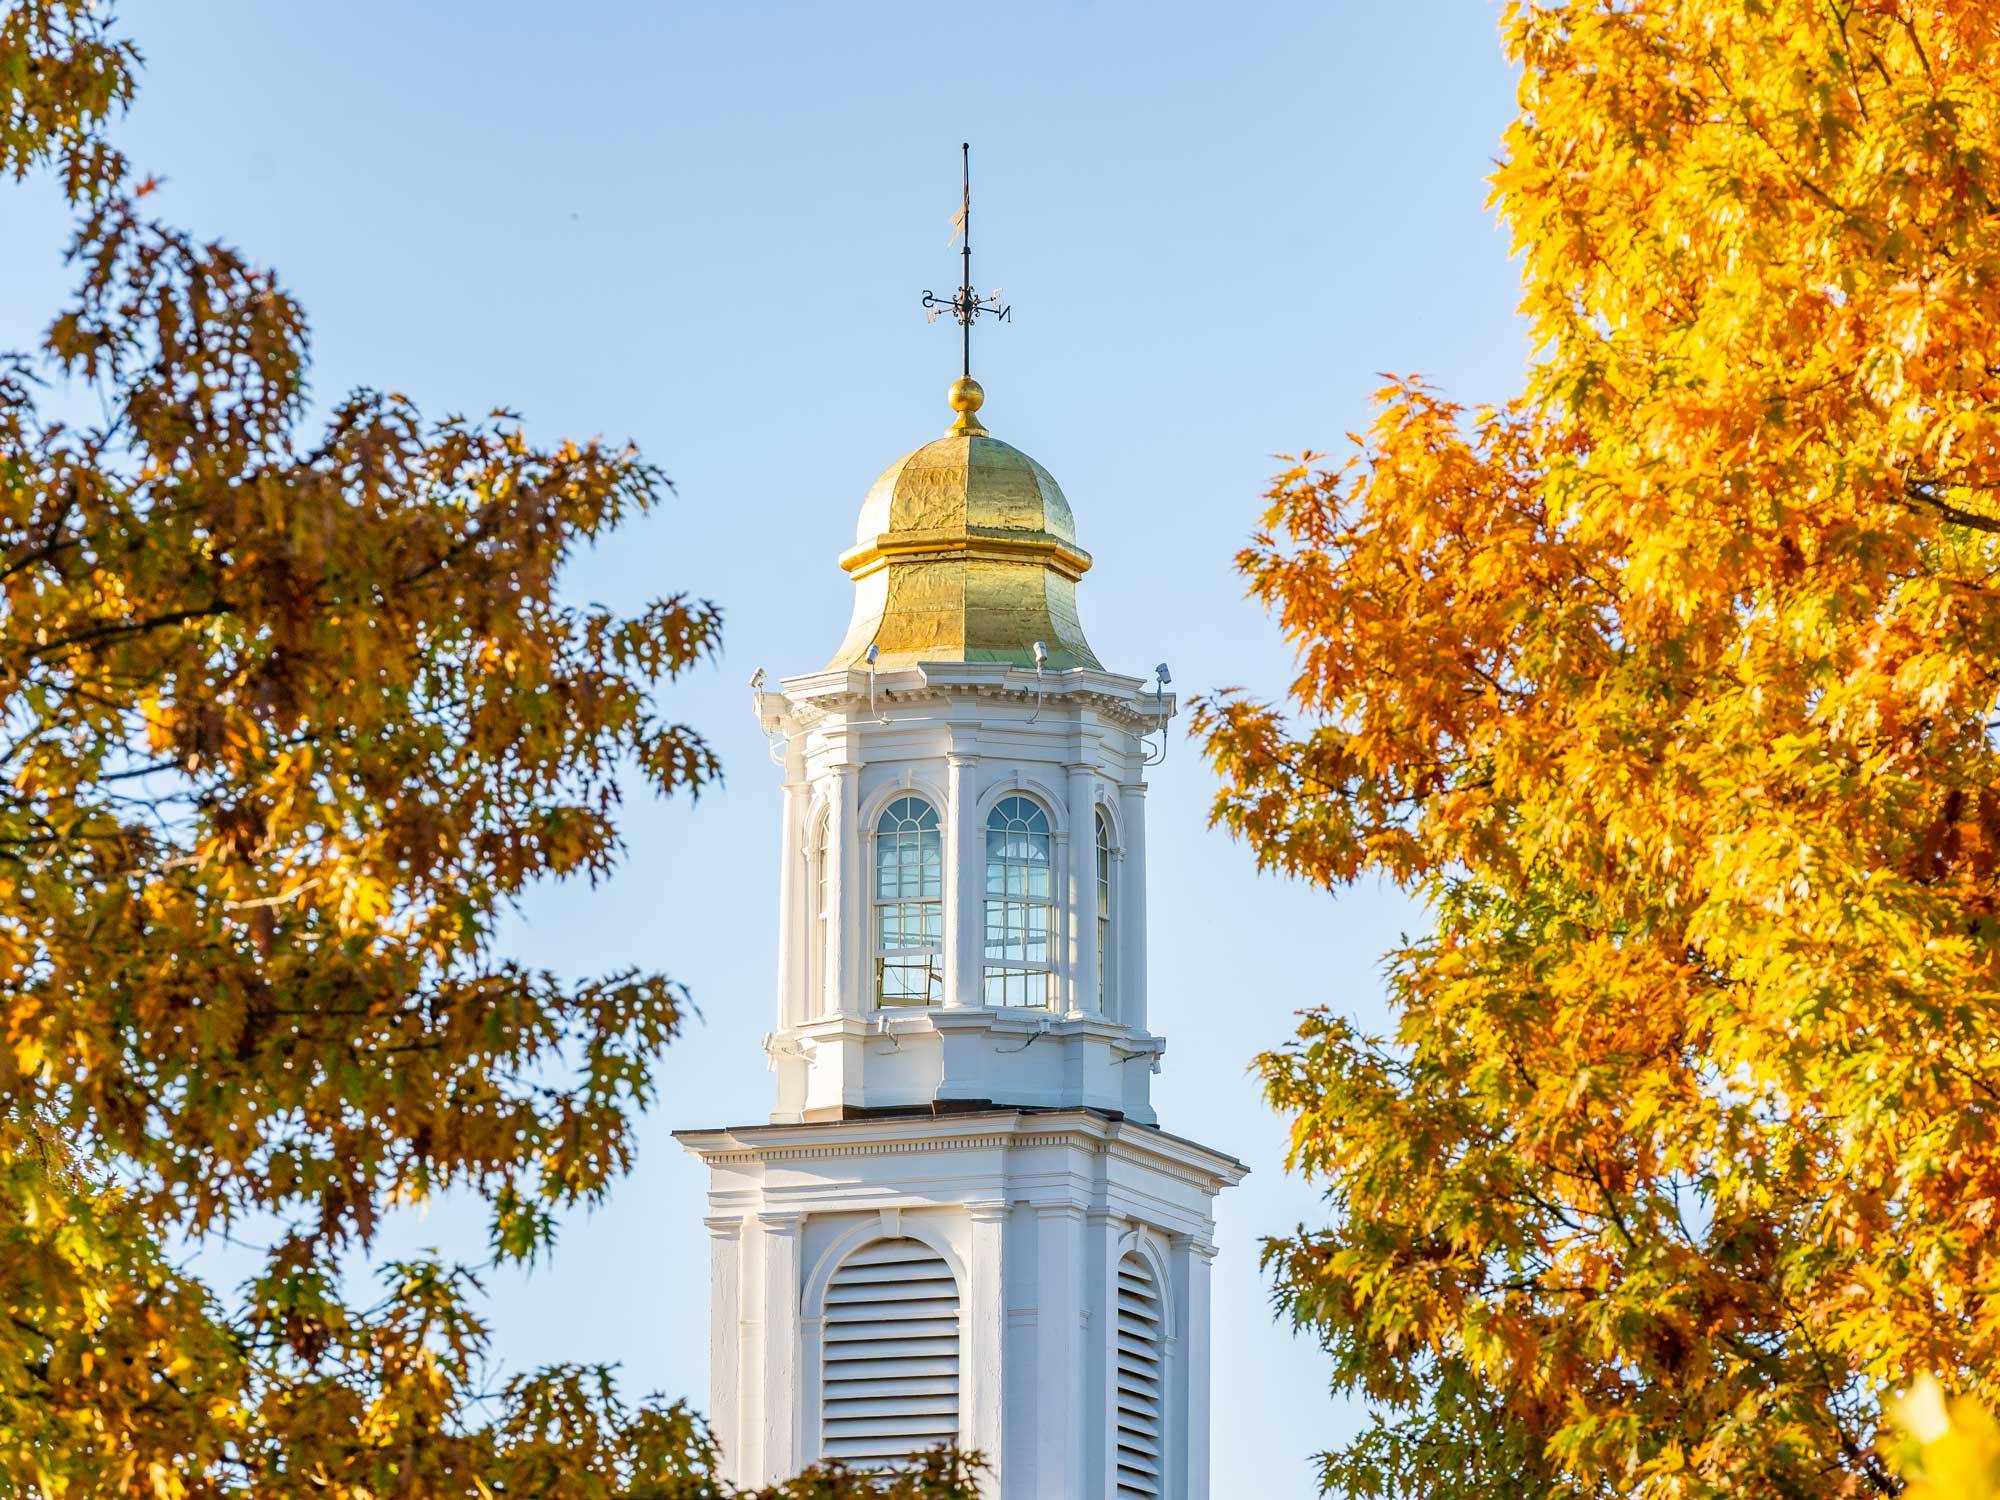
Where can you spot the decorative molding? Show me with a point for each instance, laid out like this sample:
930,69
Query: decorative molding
1144,1241
1053,802
867,1148
1111,1138
1127,701
868,810
779,1044
1108,805
920,1227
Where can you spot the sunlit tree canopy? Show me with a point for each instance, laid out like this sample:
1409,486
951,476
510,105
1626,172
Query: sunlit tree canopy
292,709
1670,683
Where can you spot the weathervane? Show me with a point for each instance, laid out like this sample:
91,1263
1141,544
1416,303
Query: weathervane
965,305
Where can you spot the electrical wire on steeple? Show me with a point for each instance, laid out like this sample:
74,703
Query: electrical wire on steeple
965,305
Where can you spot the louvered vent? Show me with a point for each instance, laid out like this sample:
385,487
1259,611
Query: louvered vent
890,1368
1141,1380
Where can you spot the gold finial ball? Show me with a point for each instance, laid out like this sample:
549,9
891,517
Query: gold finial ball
967,395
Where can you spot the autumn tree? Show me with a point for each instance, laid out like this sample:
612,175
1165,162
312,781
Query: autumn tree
1947,1450
1669,684
290,710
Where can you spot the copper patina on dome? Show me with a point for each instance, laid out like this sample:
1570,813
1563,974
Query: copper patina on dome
965,551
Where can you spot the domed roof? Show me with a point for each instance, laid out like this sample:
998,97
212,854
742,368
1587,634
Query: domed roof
970,481
965,551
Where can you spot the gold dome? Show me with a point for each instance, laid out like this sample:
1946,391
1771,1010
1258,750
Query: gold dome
965,551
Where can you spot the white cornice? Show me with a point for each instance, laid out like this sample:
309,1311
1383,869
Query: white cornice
808,700
983,1130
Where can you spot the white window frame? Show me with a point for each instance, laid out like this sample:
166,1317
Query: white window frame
882,956
1005,969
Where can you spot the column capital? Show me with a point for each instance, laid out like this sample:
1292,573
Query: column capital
781,1223
988,1210
724,1226
1132,788
1071,1211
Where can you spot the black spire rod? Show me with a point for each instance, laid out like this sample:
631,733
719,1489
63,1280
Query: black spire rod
965,305
965,252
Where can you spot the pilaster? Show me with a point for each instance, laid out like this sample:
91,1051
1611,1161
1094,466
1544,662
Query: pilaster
964,894
1083,887
1059,1282
1102,1232
728,1337
778,1437
846,946
986,1333
1188,1459
794,1004
1129,915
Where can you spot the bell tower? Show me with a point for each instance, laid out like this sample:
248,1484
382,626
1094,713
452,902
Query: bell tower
962,1223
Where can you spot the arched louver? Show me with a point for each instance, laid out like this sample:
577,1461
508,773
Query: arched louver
889,1371
1141,1380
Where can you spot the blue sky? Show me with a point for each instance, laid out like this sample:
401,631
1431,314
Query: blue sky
706,228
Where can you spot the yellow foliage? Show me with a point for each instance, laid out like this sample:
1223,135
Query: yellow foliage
1673,683
1952,1448
287,718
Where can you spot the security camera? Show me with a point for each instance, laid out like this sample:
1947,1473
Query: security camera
873,654
757,681
1041,653
1163,674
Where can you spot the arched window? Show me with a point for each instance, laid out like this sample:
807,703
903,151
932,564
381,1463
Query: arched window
1104,966
1020,905
1141,1382
889,1361
909,905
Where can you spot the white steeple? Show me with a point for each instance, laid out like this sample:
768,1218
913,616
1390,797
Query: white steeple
961,1222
